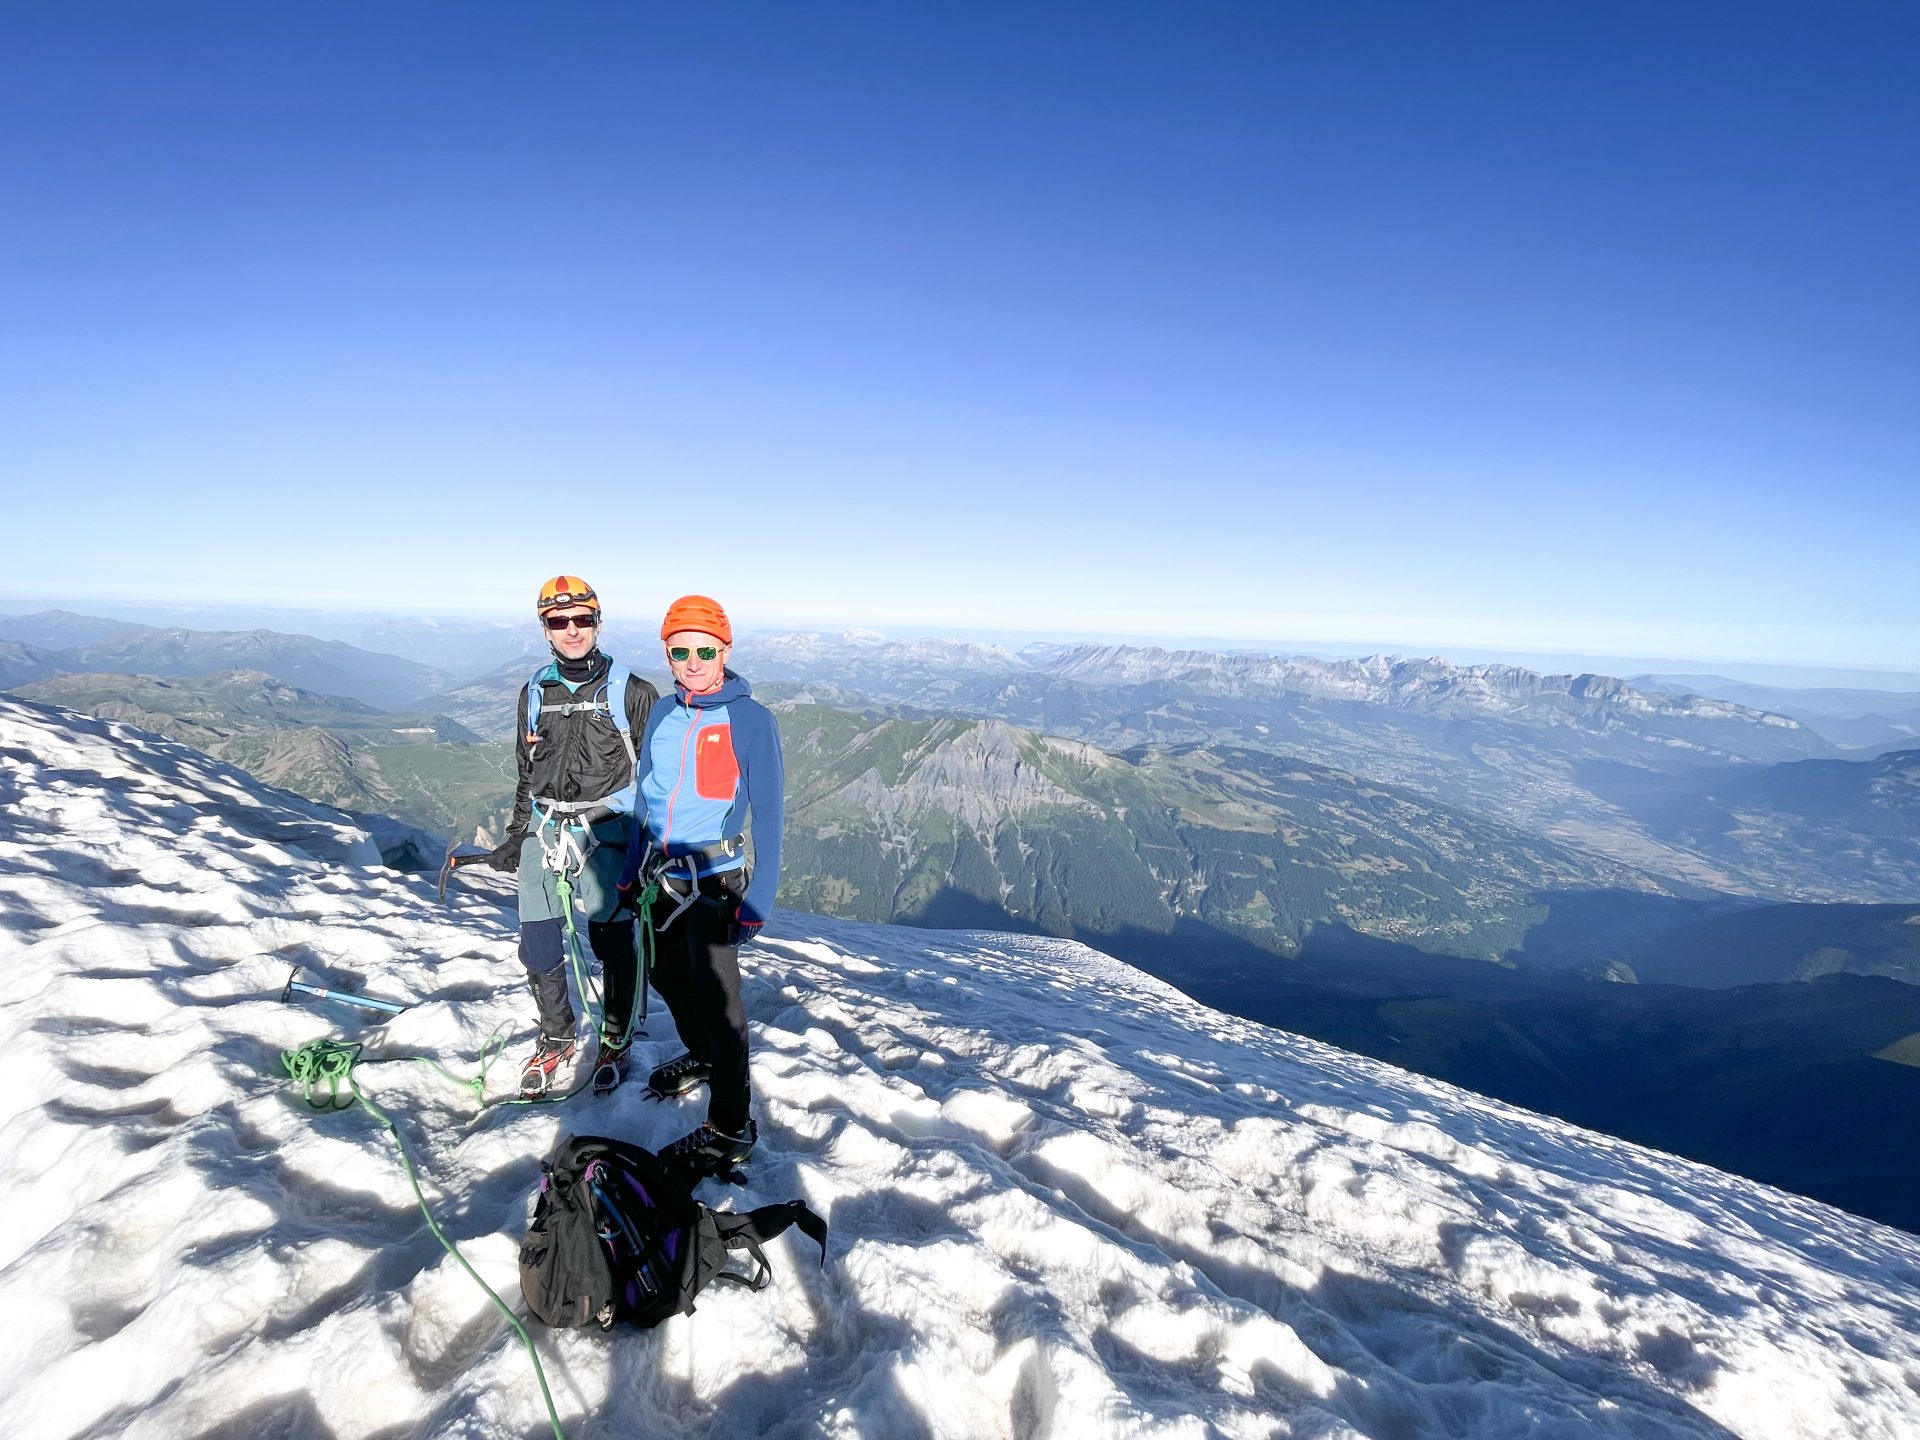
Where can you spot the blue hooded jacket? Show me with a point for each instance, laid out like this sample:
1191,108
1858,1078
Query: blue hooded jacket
704,762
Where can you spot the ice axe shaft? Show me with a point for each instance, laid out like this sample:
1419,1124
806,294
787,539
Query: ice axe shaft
365,1002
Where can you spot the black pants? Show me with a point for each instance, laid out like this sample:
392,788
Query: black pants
543,951
696,969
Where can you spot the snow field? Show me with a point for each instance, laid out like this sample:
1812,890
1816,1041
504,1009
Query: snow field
1065,1200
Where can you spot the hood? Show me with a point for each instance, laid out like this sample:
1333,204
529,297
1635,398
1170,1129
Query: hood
731,689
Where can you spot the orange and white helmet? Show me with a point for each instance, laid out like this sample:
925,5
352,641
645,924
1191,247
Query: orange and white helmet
566,590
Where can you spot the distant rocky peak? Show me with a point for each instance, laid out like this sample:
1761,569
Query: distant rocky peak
981,772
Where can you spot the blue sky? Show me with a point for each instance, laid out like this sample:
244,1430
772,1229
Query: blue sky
1543,327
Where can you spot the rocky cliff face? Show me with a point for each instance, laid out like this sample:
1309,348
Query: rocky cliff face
978,772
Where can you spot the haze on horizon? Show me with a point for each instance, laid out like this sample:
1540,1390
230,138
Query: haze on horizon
629,635
1493,329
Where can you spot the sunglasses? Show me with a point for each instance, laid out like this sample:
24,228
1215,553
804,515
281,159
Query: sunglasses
578,622
680,653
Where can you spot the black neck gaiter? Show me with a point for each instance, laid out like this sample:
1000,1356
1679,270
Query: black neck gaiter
575,672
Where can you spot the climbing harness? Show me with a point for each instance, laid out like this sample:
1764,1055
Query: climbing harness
670,871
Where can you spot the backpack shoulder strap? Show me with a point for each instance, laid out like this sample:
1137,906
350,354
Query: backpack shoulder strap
749,1231
619,677
540,677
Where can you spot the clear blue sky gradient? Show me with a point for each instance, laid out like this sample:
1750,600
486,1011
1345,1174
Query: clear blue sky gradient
1539,326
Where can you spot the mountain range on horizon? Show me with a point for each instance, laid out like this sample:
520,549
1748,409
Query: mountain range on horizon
1673,785
39,647
468,643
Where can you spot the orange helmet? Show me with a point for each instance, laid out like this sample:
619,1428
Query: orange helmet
697,612
566,590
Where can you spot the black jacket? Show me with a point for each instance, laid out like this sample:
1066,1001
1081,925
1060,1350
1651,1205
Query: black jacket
579,756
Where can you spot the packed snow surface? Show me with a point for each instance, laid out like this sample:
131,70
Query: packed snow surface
1065,1201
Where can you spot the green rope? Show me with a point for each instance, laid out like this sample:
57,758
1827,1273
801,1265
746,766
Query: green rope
643,950
595,1000
592,999
329,1061
322,1060
490,1051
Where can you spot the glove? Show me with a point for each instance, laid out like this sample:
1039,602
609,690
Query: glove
745,924
505,857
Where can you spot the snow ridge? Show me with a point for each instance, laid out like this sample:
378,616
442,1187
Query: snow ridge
1066,1201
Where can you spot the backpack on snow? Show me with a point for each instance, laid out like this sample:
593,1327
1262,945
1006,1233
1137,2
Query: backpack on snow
617,1238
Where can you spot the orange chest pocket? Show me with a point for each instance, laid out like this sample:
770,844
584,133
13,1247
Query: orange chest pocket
716,773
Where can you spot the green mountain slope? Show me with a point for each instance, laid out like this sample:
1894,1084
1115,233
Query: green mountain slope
423,768
948,821
1579,759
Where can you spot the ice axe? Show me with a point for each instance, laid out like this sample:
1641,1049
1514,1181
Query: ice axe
454,861
365,1002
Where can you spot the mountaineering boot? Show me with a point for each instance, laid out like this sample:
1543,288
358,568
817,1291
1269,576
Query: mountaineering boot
707,1151
677,1077
536,1076
612,1068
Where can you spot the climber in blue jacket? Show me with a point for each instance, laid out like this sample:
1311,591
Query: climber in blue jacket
709,759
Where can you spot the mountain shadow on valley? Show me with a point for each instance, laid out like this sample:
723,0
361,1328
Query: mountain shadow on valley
1813,1086
1716,943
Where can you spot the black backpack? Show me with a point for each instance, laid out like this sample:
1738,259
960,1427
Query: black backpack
617,1237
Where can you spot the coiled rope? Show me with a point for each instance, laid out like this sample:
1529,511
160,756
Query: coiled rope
330,1062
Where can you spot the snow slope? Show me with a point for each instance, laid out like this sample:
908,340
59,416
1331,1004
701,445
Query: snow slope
1065,1200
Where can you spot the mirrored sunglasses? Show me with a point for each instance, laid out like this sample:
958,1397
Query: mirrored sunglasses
679,653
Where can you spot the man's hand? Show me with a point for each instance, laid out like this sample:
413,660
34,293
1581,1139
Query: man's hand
505,857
